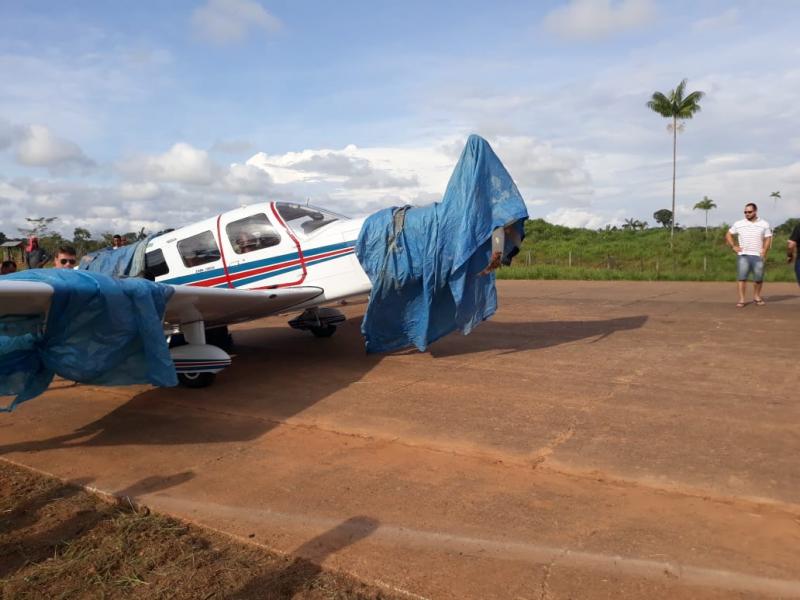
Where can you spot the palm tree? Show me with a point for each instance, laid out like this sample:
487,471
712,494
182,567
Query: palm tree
677,107
630,224
776,195
705,204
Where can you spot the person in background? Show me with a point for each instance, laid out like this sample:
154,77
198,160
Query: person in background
116,242
9,266
754,240
792,249
35,257
66,258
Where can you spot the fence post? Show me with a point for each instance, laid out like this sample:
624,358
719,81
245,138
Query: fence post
529,258
570,258
705,264
658,268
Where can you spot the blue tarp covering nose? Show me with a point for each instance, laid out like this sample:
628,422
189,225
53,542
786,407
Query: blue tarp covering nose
99,330
425,263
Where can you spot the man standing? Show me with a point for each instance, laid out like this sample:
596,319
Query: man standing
66,258
754,240
792,249
35,257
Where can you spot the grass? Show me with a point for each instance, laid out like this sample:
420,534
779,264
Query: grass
555,252
60,542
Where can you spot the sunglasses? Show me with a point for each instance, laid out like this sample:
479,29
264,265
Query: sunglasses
749,212
67,261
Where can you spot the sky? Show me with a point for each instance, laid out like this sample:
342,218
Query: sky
116,116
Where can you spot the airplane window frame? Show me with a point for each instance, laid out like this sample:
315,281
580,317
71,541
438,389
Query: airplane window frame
160,266
261,241
200,255
306,219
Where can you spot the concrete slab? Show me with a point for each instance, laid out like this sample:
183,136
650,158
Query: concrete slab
595,439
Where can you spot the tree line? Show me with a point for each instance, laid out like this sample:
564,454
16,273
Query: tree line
82,239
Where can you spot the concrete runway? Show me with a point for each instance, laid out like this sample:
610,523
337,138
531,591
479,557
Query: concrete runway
593,440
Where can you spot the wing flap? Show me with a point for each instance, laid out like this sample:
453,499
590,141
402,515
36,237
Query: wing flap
220,306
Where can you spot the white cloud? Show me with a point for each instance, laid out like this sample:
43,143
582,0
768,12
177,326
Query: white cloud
182,164
348,168
139,191
595,19
576,217
534,163
38,147
229,21
247,180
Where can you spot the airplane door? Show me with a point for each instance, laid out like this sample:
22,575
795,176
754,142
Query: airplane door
259,251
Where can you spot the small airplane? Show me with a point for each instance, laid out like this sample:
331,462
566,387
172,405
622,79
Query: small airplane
252,262
244,264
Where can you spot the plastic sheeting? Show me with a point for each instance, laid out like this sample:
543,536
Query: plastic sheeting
99,330
425,268
126,261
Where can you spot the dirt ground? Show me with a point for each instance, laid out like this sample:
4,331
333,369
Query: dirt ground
59,541
593,440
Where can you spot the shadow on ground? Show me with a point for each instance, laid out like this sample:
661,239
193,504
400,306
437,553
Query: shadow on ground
302,573
510,337
278,373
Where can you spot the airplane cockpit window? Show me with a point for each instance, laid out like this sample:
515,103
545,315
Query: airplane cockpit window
252,233
199,249
154,264
306,219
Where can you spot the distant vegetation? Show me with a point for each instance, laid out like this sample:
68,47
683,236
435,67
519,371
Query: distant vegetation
556,252
81,239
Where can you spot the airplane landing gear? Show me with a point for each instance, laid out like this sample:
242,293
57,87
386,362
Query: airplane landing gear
197,362
196,380
321,322
324,331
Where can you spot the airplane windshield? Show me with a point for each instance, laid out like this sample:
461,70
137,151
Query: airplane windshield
305,218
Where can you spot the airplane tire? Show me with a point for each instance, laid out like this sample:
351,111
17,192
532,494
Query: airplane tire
325,331
196,380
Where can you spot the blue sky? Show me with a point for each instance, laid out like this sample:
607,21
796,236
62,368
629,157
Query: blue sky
115,116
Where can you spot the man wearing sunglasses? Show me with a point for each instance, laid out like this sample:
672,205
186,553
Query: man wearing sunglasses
66,258
754,239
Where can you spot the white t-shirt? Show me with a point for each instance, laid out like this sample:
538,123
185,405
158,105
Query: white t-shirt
751,235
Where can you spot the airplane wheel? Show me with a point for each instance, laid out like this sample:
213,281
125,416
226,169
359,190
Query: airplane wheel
196,380
324,331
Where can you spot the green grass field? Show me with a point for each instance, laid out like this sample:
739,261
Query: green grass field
555,252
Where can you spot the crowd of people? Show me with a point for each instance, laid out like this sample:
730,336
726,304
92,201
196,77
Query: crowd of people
36,257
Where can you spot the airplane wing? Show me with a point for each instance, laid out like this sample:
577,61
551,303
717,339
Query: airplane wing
214,306
220,306
24,298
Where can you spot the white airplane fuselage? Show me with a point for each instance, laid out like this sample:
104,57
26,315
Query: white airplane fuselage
264,246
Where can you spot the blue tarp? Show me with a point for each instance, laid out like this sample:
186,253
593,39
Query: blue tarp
426,276
126,261
99,330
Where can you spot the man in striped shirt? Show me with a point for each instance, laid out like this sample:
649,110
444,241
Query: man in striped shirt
754,240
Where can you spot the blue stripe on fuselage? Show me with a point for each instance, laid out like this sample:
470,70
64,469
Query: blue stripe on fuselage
256,264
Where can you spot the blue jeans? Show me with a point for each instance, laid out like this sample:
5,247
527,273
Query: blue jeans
797,269
746,264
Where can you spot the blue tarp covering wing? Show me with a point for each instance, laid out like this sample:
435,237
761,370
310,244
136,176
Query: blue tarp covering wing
99,330
127,261
425,263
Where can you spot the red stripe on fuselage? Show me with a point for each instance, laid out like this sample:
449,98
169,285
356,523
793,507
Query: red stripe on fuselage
266,269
